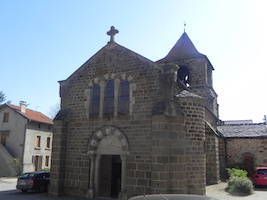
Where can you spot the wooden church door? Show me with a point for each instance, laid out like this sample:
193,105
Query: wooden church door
249,163
110,176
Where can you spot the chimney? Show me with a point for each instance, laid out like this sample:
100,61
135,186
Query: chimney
22,105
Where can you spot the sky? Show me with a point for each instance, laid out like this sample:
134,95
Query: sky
45,41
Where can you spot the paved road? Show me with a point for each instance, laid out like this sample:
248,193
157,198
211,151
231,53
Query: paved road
218,191
8,192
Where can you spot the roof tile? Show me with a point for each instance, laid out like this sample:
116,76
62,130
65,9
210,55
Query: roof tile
32,115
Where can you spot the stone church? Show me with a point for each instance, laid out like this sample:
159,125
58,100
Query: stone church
130,126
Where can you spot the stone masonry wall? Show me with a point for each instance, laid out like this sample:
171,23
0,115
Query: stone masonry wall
110,63
236,148
166,152
57,182
222,158
195,135
168,173
212,158
200,73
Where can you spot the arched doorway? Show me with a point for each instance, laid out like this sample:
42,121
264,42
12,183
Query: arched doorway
248,161
110,176
108,149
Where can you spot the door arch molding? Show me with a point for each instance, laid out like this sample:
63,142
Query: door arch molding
108,140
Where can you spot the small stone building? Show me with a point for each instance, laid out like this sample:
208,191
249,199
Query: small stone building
130,126
243,145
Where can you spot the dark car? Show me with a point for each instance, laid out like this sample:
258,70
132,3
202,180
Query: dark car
33,181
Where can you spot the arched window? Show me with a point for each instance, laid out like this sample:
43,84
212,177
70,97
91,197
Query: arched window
183,75
124,97
95,102
109,97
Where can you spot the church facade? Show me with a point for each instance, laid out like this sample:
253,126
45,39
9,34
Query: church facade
130,126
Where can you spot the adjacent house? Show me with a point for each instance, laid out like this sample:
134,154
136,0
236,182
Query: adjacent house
26,135
243,144
130,126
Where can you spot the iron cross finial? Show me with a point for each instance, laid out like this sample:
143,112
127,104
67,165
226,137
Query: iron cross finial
112,32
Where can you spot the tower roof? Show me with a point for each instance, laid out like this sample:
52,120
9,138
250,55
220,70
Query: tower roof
184,48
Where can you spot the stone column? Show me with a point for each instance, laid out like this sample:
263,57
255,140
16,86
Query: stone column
96,175
90,192
122,194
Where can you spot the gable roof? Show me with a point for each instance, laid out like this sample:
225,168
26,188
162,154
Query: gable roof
243,130
184,48
115,49
31,114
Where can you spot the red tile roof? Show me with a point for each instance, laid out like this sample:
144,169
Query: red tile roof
32,115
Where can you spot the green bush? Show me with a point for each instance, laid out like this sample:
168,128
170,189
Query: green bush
45,169
239,182
232,172
241,185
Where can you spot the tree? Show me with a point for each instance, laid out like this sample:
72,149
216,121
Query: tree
54,110
2,97
265,119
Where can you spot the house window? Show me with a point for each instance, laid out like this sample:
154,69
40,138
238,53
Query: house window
124,97
46,161
38,141
3,138
109,97
6,117
48,142
95,102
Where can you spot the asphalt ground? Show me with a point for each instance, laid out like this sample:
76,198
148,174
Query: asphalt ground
8,191
219,191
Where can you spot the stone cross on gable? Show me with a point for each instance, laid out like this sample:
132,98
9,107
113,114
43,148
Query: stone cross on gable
112,32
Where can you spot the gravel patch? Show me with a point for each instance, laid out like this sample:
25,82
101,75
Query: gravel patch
218,191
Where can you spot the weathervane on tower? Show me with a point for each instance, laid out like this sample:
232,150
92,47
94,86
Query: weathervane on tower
112,33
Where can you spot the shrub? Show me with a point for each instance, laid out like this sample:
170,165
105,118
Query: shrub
16,163
232,172
241,185
45,169
239,182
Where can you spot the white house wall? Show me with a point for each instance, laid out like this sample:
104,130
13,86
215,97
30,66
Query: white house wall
30,150
16,127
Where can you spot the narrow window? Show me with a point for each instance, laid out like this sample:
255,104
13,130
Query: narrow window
48,142
6,117
109,97
95,102
124,97
38,141
46,161
39,125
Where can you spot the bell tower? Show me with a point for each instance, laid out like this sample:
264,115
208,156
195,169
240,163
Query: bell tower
195,70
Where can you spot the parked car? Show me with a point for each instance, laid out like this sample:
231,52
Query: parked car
259,176
33,181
